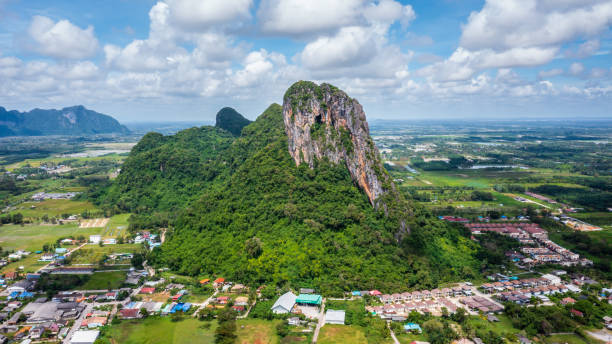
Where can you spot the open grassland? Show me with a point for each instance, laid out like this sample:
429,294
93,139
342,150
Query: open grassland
104,280
502,328
156,330
341,334
53,207
254,331
33,237
59,159
93,253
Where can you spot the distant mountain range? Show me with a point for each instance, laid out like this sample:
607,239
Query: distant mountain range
74,120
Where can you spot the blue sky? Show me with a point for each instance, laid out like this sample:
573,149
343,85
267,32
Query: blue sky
141,60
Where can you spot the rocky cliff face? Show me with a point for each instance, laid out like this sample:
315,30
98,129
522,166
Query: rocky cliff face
324,122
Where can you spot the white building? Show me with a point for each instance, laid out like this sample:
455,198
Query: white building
284,304
84,337
554,280
335,317
95,239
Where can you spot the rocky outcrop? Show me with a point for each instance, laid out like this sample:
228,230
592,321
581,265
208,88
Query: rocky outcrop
323,122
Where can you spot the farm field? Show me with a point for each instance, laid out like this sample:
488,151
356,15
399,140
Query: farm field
569,339
156,330
254,331
29,263
104,280
33,237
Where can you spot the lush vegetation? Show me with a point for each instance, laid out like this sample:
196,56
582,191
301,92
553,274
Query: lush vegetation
230,120
258,218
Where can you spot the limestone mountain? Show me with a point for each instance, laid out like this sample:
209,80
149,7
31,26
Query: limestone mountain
74,120
263,213
231,120
323,122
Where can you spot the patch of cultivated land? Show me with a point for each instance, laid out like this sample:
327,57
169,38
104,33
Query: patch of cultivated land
156,330
569,339
33,237
254,331
341,334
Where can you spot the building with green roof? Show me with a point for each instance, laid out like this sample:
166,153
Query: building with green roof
309,299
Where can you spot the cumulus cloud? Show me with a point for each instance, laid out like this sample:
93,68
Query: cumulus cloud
492,38
300,18
61,39
199,15
576,68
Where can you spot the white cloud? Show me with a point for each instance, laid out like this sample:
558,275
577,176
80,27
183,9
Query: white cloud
541,23
351,46
550,73
491,38
586,49
299,17
576,68
61,39
199,15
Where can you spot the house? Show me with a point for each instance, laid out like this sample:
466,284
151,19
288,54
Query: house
95,239
412,327
147,290
552,278
238,308
205,281
84,337
375,293
568,301
93,322
238,288
309,299
129,313
284,304
335,317
577,313
112,295
306,291
294,321
21,286
61,250
219,282
241,301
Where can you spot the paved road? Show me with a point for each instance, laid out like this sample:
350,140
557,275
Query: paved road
205,303
320,323
77,323
392,333
67,254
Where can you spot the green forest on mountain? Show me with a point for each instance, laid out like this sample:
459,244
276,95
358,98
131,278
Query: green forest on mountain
241,208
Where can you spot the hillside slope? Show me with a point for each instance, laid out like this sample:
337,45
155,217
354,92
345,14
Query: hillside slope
75,120
230,120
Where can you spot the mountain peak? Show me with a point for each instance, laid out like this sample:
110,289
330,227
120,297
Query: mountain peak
323,122
231,120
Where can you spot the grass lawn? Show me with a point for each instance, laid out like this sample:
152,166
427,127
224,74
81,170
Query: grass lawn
255,331
117,225
104,280
33,237
92,253
29,263
407,338
503,327
156,330
339,334
567,338
53,207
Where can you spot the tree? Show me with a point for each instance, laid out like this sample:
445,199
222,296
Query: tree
137,260
253,247
282,329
